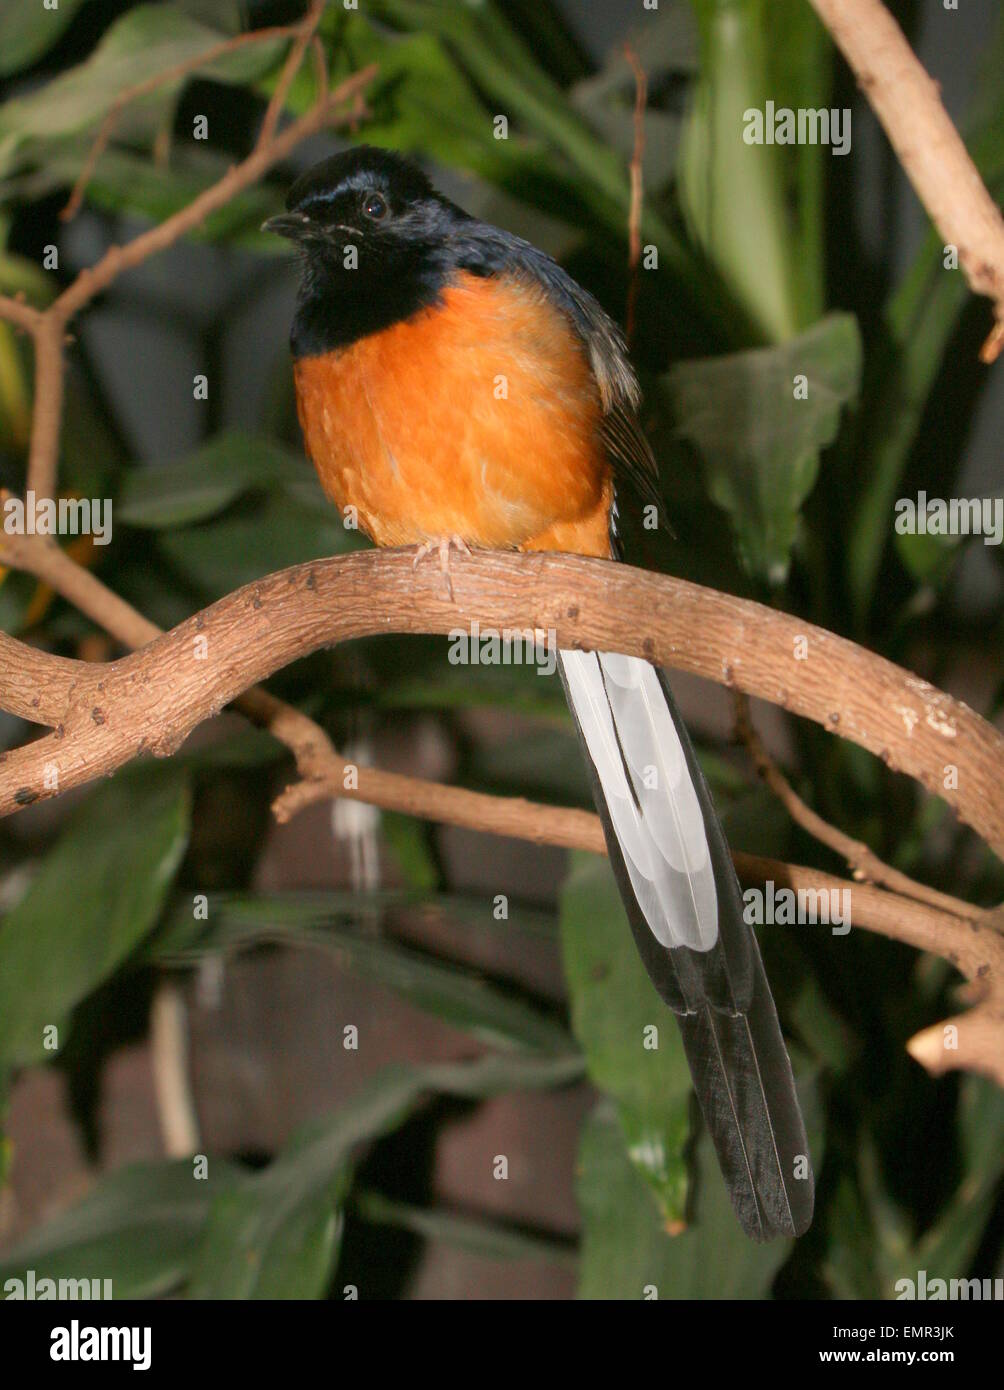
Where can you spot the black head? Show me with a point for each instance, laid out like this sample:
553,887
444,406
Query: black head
373,236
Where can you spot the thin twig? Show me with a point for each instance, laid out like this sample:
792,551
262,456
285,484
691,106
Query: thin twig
151,84
865,864
320,65
48,327
634,217
289,70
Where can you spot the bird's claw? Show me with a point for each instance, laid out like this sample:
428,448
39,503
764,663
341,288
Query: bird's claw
443,544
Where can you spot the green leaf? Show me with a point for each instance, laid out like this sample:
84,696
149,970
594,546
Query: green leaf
478,1237
202,484
947,1249
139,1227
452,993
96,895
253,540
625,1254
28,30
719,172
496,60
613,1003
410,843
758,444
143,43
919,321
278,1235
930,559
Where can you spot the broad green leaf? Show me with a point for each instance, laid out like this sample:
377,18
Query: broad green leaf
278,1236
720,173
625,1253
202,484
458,996
758,444
253,540
28,30
946,1250
617,1016
478,1237
144,42
97,893
139,1227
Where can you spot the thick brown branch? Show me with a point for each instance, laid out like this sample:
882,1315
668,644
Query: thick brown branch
162,693
930,149
61,693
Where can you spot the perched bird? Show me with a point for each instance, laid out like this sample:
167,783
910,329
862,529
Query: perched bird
410,312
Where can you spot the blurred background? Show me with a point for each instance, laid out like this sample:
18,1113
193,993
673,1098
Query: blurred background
486,1131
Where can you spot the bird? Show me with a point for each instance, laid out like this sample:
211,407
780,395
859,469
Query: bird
457,388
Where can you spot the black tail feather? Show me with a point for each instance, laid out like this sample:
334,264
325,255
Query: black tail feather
731,1035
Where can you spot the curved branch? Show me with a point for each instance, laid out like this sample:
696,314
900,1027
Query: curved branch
149,701
105,714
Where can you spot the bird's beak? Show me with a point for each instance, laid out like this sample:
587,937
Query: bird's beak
294,225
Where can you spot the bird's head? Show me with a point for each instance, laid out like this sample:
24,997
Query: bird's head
369,200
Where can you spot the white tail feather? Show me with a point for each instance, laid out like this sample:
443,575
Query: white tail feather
652,803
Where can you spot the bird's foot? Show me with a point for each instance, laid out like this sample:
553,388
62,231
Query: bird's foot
443,544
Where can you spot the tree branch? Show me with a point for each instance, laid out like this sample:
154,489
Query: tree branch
104,715
935,160
912,726
290,68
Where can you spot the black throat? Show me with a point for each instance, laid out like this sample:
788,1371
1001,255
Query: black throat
337,305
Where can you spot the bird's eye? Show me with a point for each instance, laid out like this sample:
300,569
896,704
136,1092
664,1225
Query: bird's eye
375,206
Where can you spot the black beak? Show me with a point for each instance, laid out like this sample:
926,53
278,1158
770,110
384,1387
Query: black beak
294,225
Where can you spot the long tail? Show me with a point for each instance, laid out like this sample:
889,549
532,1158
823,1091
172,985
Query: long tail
685,907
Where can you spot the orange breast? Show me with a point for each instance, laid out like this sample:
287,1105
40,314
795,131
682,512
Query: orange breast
478,417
